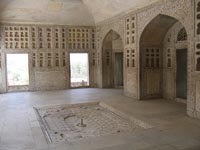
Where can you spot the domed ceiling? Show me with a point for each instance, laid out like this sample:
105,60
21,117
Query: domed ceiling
65,12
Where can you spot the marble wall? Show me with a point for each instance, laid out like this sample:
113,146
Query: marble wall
131,25
48,48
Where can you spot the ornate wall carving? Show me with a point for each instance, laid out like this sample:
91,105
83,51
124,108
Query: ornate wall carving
181,10
48,48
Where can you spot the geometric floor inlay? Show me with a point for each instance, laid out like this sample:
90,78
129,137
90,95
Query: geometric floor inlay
78,121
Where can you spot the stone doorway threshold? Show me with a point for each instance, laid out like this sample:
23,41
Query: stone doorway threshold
181,100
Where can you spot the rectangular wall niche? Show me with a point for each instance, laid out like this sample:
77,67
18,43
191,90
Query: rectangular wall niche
63,38
93,59
130,23
41,37
16,37
0,61
33,37
93,39
34,60
79,38
41,60
49,59
108,58
56,32
197,18
169,59
198,57
130,58
64,59
48,37
127,58
152,57
133,58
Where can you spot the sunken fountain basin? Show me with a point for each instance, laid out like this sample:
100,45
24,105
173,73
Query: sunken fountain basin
72,122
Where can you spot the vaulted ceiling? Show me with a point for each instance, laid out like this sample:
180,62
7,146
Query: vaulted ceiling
156,30
70,12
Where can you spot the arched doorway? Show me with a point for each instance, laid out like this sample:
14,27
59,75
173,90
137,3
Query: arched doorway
163,59
112,61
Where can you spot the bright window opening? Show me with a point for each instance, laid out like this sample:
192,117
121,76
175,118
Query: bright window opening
17,69
79,68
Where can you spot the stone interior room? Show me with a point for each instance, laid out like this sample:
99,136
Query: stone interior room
99,75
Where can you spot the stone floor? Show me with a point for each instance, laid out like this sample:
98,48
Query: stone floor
171,128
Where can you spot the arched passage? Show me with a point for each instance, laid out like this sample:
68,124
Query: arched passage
163,59
112,60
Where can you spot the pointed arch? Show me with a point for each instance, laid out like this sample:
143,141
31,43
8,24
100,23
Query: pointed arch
112,44
151,54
